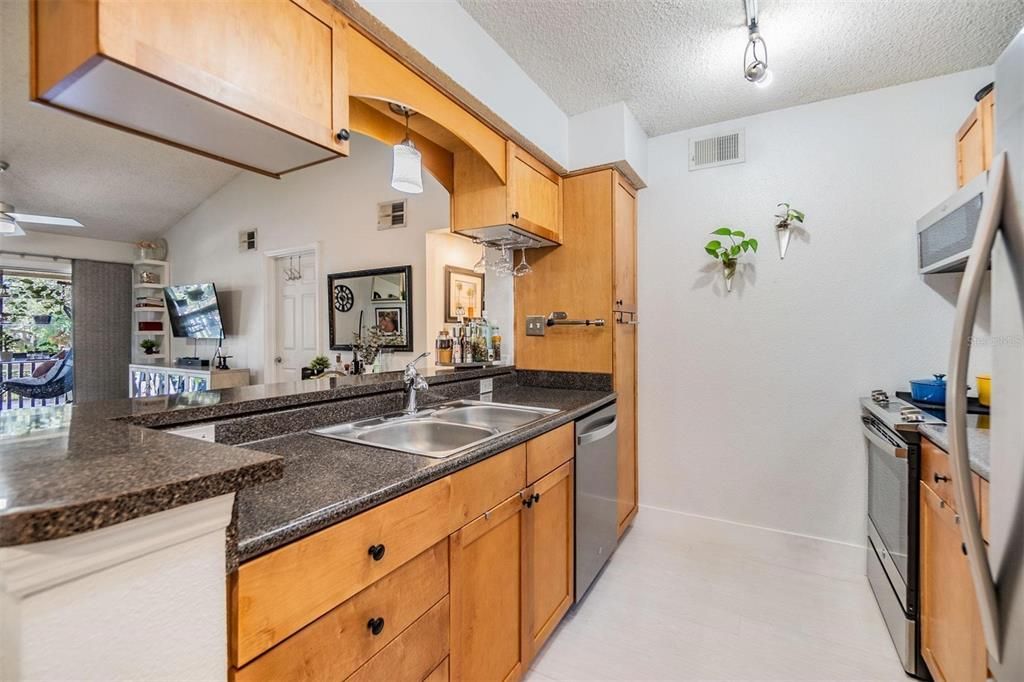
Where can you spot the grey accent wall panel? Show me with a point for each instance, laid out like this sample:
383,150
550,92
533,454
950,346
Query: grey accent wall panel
102,328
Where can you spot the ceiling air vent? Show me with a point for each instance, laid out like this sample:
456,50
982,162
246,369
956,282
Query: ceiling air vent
717,151
391,214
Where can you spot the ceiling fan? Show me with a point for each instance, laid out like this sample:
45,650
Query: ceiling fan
10,221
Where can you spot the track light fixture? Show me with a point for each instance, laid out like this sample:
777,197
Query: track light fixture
755,55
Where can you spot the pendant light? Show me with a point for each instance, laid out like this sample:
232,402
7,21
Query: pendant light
407,169
755,55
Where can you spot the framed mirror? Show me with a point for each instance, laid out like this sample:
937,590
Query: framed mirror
364,299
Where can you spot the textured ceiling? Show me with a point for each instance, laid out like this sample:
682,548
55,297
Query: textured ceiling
120,186
678,63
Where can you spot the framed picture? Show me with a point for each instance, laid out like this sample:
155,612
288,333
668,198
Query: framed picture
463,293
389,320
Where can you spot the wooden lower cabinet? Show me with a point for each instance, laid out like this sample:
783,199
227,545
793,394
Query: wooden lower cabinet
547,558
456,589
486,577
952,641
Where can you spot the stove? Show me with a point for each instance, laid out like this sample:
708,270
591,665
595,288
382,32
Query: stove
890,429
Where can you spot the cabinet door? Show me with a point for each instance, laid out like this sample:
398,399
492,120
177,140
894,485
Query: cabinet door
952,641
534,195
624,382
548,558
485,584
625,244
970,148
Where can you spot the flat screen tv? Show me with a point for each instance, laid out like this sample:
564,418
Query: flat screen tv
194,311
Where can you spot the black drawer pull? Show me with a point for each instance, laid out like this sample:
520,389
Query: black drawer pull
528,502
536,497
376,551
375,625
939,478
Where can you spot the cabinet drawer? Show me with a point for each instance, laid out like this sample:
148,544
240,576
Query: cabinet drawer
485,484
937,472
335,645
547,452
277,594
415,654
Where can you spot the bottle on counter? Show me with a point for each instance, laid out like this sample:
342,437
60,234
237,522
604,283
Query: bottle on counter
496,342
444,348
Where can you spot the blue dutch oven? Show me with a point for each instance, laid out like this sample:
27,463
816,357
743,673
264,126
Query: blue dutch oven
929,390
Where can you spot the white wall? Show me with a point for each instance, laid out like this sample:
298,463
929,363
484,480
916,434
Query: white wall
70,246
748,401
451,39
607,135
335,204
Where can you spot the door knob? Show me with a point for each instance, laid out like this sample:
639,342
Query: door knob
277,360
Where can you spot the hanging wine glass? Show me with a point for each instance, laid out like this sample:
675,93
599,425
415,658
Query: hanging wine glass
481,265
503,268
523,268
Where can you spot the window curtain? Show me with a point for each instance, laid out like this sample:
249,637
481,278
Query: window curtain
101,306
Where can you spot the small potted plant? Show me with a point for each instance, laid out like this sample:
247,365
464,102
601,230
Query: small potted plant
319,364
149,346
785,219
729,254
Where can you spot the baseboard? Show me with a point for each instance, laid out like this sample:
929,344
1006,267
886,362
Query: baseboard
771,545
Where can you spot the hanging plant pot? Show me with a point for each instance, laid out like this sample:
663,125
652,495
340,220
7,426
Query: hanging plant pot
729,271
784,235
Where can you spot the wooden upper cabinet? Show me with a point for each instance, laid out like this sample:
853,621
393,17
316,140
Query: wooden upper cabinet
974,141
624,227
530,199
952,640
261,85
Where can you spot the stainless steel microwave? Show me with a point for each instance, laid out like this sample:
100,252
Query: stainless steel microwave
945,234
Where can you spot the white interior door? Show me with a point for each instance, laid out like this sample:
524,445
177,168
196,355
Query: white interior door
296,333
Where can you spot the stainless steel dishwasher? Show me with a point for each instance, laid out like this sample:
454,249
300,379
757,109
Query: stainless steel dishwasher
596,491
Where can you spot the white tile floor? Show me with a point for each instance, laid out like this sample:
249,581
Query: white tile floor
672,607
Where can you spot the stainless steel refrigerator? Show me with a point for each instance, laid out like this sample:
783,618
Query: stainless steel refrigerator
998,571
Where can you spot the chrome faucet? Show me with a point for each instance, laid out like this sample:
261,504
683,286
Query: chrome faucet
413,383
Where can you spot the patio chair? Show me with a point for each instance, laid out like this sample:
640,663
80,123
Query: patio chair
56,382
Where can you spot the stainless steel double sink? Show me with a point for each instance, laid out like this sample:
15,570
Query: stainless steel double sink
439,431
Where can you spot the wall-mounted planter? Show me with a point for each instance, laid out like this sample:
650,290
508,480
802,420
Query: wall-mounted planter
784,234
729,272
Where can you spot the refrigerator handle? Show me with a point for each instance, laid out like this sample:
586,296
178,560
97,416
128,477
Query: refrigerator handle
956,404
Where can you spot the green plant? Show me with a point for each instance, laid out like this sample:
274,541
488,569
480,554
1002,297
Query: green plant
367,344
788,216
319,364
729,254
149,345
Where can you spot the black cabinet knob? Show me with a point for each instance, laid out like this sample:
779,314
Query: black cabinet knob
375,625
941,478
515,215
528,502
342,135
536,497
376,551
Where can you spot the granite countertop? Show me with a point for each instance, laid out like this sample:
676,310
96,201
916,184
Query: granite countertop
63,472
326,481
184,408
978,441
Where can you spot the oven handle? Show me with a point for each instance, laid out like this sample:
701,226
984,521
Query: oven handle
886,446
956,400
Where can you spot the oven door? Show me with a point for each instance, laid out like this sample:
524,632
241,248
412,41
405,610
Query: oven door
889,504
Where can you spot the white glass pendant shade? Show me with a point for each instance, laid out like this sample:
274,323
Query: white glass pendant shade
407,174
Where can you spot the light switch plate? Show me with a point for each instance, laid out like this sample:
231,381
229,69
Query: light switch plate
535,325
